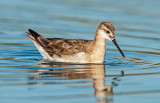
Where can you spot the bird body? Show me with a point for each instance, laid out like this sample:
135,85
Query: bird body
75,50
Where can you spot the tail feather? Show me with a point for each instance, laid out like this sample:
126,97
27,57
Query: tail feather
33,33
35,37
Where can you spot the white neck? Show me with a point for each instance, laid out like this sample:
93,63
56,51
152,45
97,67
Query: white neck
99,49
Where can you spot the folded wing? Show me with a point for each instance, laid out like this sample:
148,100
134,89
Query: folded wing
59,46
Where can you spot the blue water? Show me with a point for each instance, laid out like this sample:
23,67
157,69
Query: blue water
26,77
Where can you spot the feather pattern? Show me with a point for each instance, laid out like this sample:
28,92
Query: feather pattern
76,50
60,46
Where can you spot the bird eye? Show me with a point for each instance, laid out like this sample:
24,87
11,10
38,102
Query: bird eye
107,31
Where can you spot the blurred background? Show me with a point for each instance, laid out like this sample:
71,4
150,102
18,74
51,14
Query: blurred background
25,77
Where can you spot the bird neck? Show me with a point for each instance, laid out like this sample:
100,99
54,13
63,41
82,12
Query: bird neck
99,48
99,39
99,43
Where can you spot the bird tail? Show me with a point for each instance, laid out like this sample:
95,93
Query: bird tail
37,38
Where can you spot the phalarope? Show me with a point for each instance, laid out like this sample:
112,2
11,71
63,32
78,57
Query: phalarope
76,50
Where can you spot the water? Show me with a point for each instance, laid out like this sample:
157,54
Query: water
25,77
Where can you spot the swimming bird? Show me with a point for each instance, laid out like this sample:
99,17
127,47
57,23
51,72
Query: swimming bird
76,50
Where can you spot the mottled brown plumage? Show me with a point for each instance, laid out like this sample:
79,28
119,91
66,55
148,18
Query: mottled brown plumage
76,50
61,46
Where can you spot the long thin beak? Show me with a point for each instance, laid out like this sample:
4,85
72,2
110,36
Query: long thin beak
114,41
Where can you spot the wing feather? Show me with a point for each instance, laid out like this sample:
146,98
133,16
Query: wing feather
67,46
60,46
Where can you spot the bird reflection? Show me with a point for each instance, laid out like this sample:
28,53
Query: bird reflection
69,71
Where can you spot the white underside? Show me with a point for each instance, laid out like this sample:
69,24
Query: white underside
42,51
77,58
81,57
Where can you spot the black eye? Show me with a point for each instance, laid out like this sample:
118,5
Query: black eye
107,32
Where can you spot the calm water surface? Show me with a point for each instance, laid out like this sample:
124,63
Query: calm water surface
25,77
